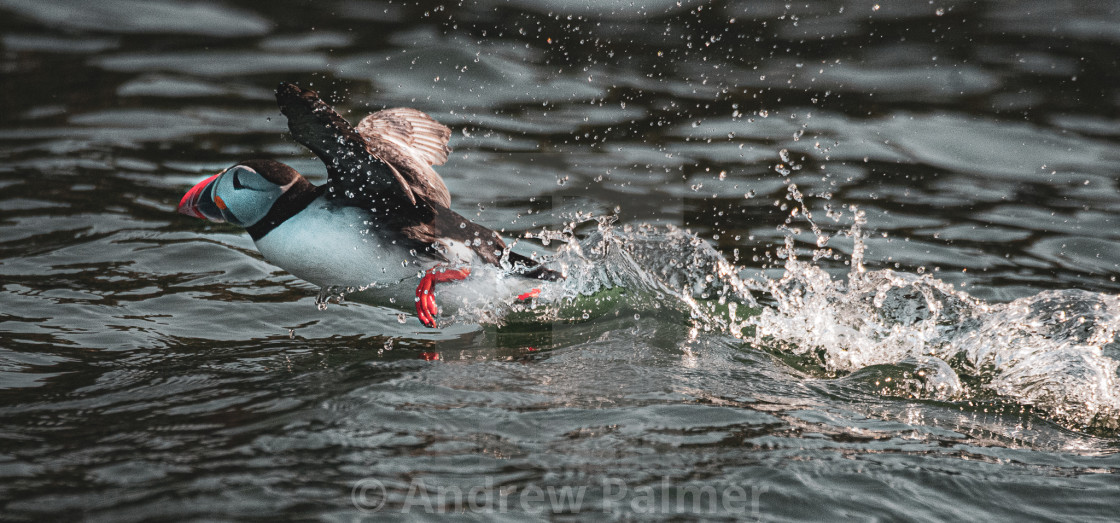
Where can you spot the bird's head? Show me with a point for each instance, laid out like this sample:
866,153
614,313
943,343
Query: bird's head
242,194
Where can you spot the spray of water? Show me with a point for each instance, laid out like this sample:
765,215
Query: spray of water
1052,353
614,269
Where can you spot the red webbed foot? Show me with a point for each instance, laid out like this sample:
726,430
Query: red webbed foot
529,295
426,308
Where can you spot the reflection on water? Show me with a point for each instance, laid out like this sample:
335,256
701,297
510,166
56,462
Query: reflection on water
152,365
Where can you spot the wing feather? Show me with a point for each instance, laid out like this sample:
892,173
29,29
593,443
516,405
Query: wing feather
412,142
351,166
388,157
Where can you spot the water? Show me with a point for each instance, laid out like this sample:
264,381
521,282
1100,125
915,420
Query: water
921,197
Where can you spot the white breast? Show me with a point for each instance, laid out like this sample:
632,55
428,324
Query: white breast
336,248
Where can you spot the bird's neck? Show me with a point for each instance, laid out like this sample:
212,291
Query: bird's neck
294,200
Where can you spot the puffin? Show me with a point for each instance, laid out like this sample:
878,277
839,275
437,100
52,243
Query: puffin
382,217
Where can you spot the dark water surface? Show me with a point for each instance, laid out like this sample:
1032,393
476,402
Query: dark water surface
154,366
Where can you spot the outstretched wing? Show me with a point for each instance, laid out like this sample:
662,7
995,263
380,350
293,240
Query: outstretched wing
411,142
355,171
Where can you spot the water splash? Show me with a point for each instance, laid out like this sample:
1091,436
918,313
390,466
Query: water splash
1049,352
336,293
625,269
1053,353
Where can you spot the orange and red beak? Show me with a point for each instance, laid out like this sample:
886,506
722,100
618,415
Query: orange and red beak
199,202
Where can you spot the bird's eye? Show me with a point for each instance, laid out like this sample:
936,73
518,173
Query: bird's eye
237,181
